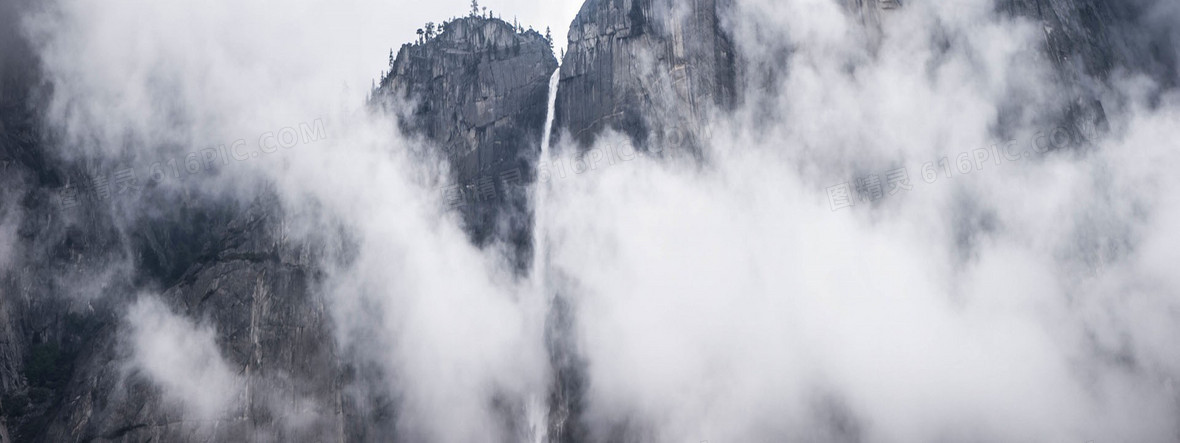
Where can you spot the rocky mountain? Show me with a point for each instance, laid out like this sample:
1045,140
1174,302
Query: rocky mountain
479,91
69,273
651,69
659,71
1094,37
655,69
1089,41
75,274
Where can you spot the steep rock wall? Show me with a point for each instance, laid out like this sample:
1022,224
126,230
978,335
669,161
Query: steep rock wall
479,91
652,69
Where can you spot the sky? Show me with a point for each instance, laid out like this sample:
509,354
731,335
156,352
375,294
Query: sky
406,19
556,14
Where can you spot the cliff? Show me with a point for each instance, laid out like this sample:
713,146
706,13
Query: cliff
478,91
652,69
69,274
1094,37
1087,42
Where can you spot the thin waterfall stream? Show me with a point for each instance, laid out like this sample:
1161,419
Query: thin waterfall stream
538,408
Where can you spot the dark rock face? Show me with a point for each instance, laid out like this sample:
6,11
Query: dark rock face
38,335
64,291
253,289
1089,41
479,90
1086,41
656,71
1081,37
652,69
1094,37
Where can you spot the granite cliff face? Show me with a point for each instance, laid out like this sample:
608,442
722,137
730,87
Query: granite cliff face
252,288
39,335
659,71
69,274
655,70
1090,41
1094,37
652,69
73,275
1082,37
479,91
1086,41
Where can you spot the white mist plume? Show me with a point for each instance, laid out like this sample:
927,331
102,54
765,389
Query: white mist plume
9,222
1021,301
182,359
449,325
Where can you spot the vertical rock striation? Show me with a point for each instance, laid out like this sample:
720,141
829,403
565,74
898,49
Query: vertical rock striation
479,92
1090,41
652,69
1094,37
69,273
253,289
1087,42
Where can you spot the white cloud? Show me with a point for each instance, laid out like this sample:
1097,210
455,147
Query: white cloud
183,360
733,304
8,237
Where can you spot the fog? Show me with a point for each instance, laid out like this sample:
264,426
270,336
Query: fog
182,358
7,240
1030,296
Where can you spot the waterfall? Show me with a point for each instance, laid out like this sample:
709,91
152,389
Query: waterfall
542,189
537,410
553,82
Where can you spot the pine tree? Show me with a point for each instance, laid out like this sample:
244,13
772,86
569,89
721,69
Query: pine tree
429,30
474,8
549,37
420,34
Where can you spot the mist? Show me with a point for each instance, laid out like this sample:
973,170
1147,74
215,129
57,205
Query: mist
1008,299
182,358
1018,285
